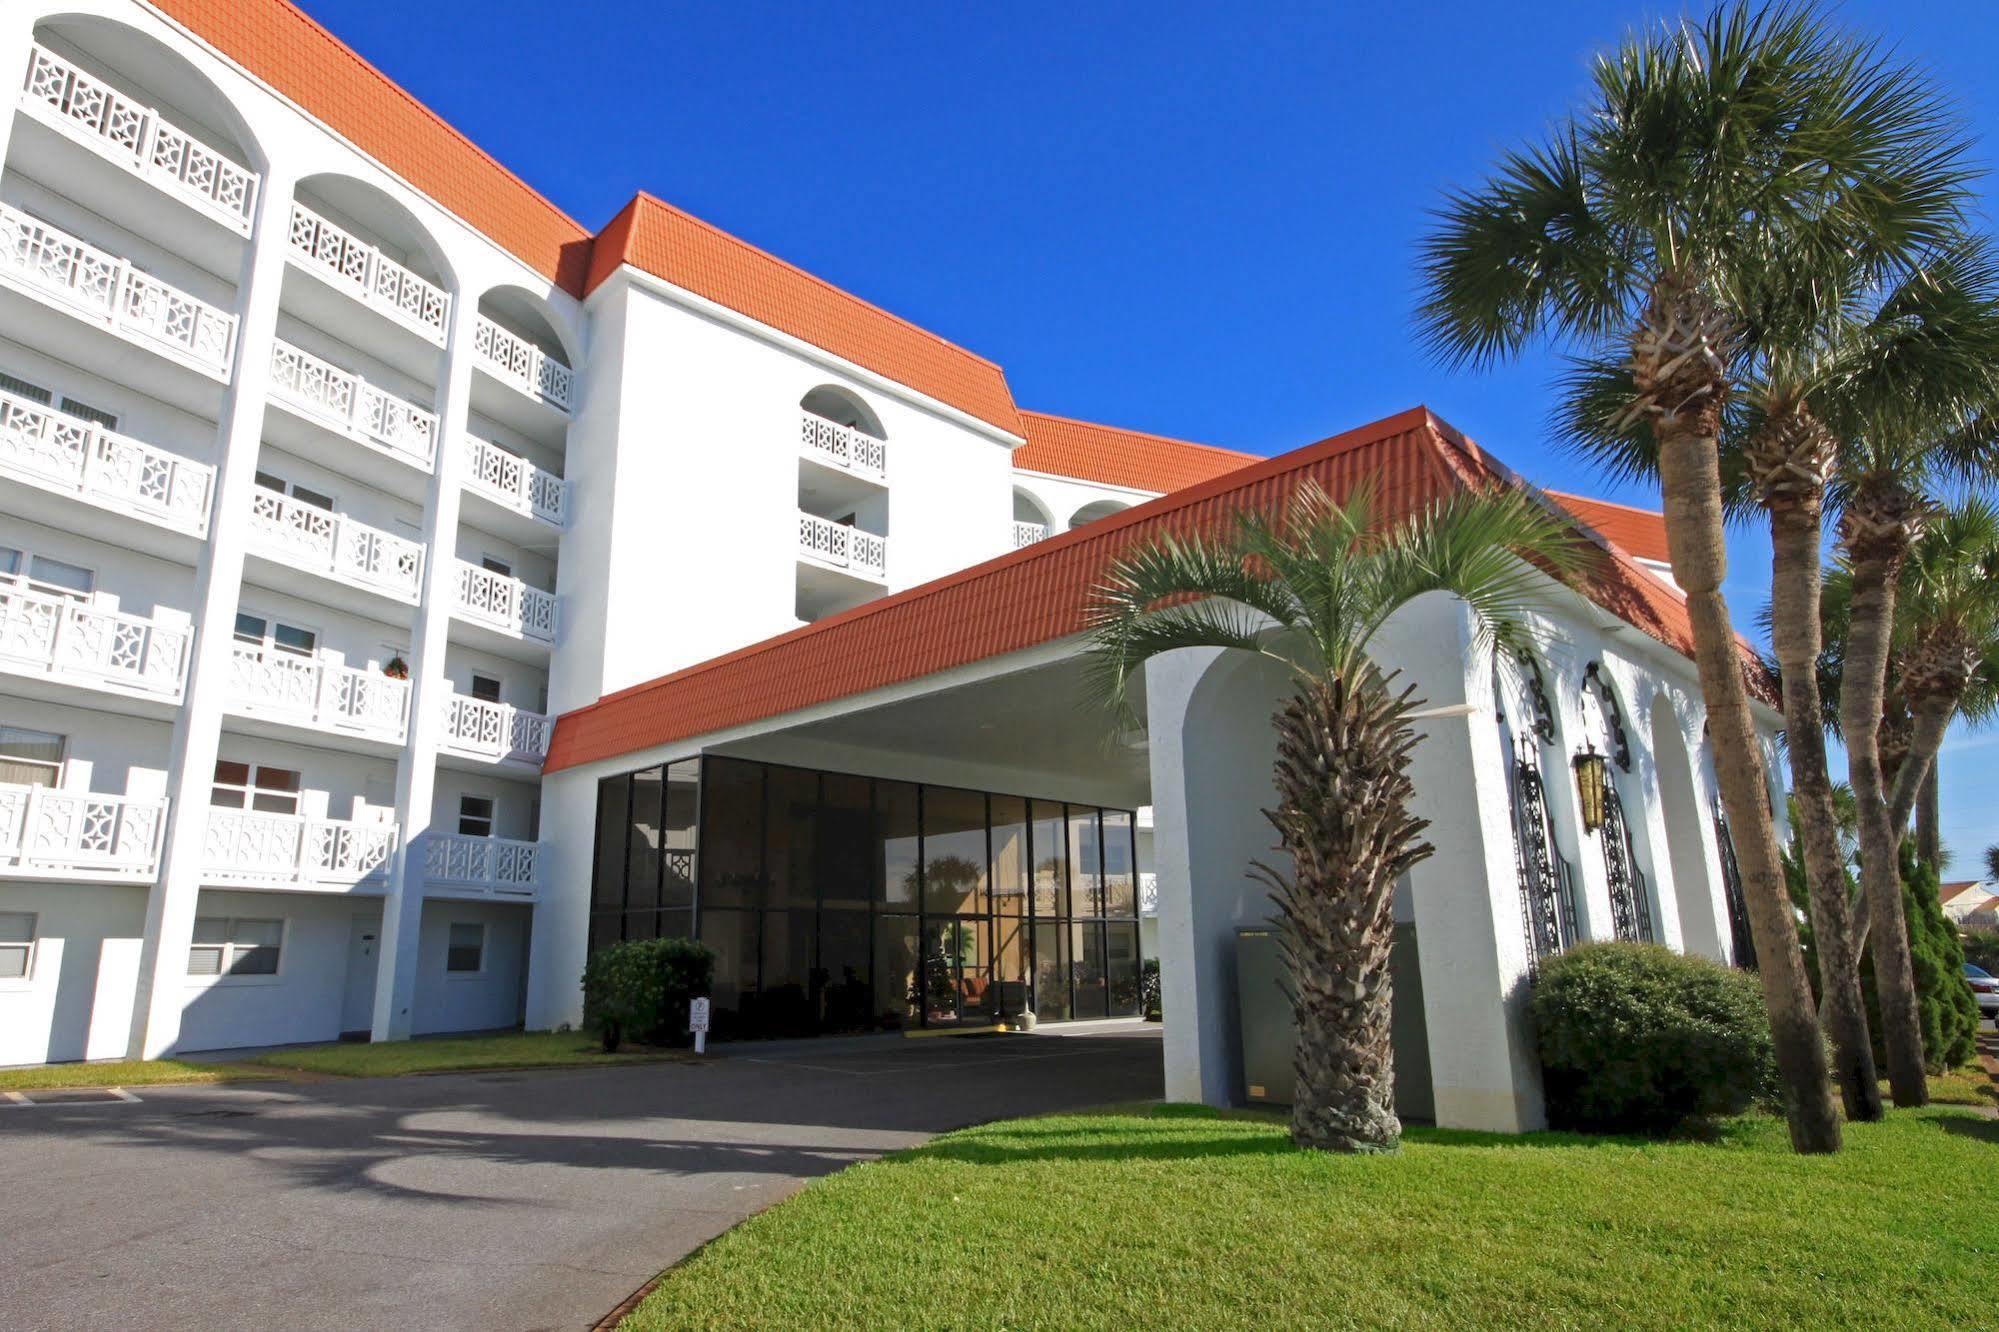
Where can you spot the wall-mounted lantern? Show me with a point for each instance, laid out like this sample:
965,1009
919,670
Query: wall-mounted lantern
1592,785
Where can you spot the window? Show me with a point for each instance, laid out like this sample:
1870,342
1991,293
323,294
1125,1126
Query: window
475,816
17,945
255,786
30,758
485,687
465,953
21,388
313,498
494,564
225,946
44,574
270,633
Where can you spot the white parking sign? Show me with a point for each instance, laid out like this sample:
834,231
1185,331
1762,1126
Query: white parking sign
697,1015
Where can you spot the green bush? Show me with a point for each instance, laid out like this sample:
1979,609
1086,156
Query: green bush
1944,1001
1981,948
1638,1038
1148,989
641,989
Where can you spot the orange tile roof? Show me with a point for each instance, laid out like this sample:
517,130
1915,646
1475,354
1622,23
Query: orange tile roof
1040,593
1947,891
1115,457
1640,532
657,238
278,43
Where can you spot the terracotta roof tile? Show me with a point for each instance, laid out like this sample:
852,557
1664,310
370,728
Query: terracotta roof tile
1116,457
280,44
657,238
1639,532
1039,594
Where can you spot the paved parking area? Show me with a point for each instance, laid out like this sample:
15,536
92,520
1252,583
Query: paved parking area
497,1201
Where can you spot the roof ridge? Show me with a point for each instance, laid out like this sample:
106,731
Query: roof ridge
647,196
1608,504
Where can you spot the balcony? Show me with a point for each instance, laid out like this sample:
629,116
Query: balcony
104,289
57,452
496,732
352,406
261,850
832,545
318,692
139,139
843,447
350,264
504,604
516,361
1026,534
481,866
89,642
333,545
46,832
514,483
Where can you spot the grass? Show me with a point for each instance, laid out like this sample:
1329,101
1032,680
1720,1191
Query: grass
1177,1216
357,1059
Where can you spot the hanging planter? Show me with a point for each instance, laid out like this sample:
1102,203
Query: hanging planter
396,668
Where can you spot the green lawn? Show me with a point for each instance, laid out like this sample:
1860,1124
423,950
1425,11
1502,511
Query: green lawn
1178,1217
388,1059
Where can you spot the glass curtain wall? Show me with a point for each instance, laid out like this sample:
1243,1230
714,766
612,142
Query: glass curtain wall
837,902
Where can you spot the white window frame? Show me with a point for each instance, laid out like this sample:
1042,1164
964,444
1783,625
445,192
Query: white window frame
30,951
272,623
472,686
229,949
491,816
497,564
249,789
289,488
24,573
55,777
23,387
485,937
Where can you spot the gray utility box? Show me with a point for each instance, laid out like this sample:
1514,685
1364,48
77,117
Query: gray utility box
1269,1032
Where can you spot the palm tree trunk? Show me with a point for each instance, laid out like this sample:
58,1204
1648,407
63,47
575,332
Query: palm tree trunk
1929,834
1690,476
1877,536
1796,529
1343,817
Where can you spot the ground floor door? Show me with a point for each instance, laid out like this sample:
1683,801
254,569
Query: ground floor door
357,1001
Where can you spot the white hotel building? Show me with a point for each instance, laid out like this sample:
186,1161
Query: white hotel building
336,465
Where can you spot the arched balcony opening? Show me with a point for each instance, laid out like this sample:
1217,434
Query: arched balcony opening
526,369
362,269
1032,520
842,408
1091,512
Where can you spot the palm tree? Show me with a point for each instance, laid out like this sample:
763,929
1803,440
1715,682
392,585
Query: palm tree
1310,589
1992,862
1722,170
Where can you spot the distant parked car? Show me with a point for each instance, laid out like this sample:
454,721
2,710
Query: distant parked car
1984,988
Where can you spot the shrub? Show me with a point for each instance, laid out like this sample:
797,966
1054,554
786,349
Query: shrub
1148,989
1638,1038
642,988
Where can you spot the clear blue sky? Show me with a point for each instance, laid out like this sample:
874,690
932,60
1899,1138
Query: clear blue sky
1192,219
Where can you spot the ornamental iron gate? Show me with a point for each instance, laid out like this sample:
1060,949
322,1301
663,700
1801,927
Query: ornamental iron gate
1731,883
1547,887
1630,913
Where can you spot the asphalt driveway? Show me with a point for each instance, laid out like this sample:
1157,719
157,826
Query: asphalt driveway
494,1201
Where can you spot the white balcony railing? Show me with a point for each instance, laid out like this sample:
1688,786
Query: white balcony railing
505,603
316,691
324,542
842,446
107,289
1148,895
511,480
279,850
44,830
1026,534
522,364
87,643
499,866
495,730
352,405
367,274
139,139
839,546
65,453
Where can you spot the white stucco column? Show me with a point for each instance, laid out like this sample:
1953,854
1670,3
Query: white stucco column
559,942
416,768
1651,847
170,907
1471,938
17,32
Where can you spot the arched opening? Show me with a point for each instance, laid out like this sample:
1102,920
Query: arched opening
374,218
525,356
1548,887
1091,512
832,403
1680,806
1032,520
1607,747
130,63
